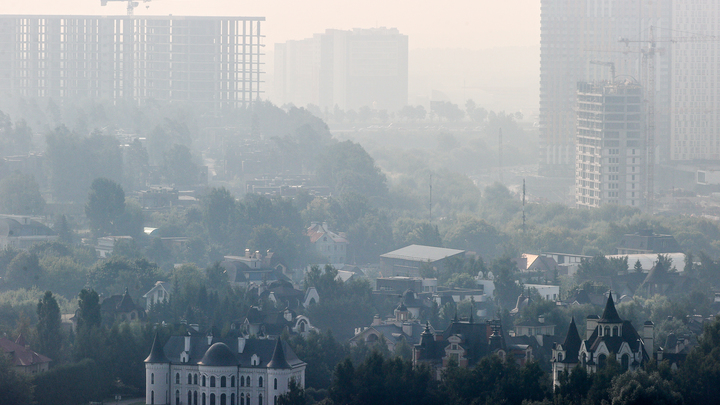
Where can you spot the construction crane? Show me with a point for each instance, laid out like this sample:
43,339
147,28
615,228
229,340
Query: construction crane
649,55
130,4
609,64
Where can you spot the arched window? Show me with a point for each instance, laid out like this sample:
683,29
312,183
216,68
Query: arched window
560,357
223,399
203,381
602,360
223,381
260,399
615,331
177,378
189,381
177,397
247,381
260,382
212,399
607,331
232,381
212,381
152,378
189,402
195,380
275,401
625,361
232,399
242,381
242,399
152,397
195,397
204,402
275,384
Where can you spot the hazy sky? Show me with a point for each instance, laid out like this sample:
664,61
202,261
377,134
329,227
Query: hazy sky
472,24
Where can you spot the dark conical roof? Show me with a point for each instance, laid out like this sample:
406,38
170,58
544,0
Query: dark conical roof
610,314
572,343
219,355
157,354
278,358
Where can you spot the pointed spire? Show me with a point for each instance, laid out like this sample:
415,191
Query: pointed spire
610,314
278,358
157,354
572,343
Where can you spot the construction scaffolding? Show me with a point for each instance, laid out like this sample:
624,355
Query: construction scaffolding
215,62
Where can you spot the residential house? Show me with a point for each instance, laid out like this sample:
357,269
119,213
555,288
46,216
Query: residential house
121,308
22,358
203,369
269,323
20,232
255,268
158,294
330,246
403,326
646,241
606,336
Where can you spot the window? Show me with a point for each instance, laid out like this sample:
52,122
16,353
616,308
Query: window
242,381
195,380
189,401
260,399
152,378
212,381
152,397
177,378
615,331
223,399
223,381
247,381
204,402
275,384
242,399
189,381
232,399
212,399
203,381
260,382
275,402
195,398
232,381
625,361
177,397
602,360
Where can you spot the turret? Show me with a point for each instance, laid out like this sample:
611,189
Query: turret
157,375
649,337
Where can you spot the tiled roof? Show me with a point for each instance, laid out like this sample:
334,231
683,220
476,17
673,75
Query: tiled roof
22,356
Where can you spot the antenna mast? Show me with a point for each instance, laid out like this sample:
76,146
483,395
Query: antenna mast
523,206
430,205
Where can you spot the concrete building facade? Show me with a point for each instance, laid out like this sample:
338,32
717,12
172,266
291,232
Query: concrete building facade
610,151
214,62
348,69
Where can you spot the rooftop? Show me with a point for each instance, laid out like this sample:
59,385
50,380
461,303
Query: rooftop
420,253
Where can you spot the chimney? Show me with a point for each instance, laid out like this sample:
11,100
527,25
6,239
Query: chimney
247,253
187,343
241,344
209,338
407,328
541,318
592,321
648,337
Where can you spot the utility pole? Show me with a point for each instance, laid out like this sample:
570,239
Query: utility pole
430,205
500,160
523,207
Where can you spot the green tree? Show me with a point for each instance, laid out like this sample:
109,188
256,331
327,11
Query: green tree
16,389
178,166
294,396
24,271
347,167
105,206
48,327
640,387
220,213
20,195
506,289
638,266
88,309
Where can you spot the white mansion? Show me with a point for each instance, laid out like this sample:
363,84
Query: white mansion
198,369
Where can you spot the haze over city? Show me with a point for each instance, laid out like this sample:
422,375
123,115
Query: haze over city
359,202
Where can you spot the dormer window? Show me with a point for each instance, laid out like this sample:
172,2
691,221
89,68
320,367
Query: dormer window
255,360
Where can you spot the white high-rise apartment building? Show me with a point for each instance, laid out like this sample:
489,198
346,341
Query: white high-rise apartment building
695,101
610,151
348,69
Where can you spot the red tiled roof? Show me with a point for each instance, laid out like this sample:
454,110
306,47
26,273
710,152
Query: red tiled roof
21,355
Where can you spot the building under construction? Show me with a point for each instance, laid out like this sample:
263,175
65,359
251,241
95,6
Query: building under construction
610,145
213,62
